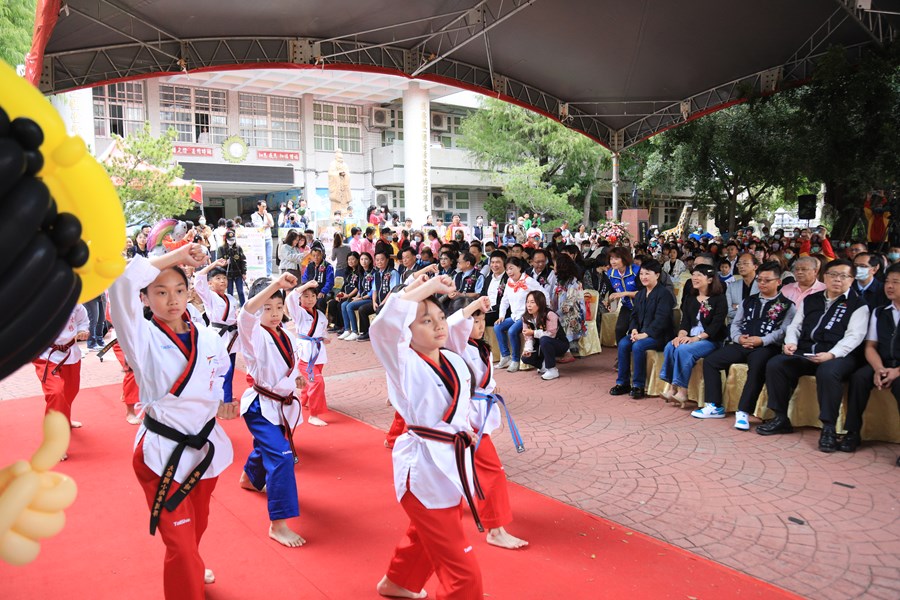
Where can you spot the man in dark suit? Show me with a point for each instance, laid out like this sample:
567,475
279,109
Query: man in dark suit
865,267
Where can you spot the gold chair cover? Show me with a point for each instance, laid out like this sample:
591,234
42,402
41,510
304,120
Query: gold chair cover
881,420
590,341
608,329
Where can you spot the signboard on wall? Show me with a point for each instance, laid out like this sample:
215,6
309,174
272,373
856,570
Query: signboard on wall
179,150
253,243
277,155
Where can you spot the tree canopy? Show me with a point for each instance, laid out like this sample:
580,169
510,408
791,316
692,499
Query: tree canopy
541,165
16,27
143,171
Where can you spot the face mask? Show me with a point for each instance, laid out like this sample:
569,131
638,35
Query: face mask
418,239
893,255
789,255
202,221
862,273
231,242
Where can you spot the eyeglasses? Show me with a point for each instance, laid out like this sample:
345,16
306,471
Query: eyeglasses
838,276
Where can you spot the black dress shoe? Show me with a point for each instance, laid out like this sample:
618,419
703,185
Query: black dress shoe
363,338
828,439
619,390
850,442
638,393
780,424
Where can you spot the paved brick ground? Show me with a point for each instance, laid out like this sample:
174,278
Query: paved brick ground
701,485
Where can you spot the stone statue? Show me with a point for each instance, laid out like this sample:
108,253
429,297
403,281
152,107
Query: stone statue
338,184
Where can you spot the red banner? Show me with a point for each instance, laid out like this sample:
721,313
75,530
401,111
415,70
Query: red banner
192,151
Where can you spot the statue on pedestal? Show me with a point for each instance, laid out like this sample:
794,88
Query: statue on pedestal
339,184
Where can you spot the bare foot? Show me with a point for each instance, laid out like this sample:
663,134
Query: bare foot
208,576
284,535
386,587
316,421
500,537
248,485
76,424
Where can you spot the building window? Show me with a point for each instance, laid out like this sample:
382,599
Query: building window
198,115
337,126
118,109
270,121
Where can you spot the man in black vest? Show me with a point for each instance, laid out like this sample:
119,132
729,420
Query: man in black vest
882,351
468,280
757,331
820,341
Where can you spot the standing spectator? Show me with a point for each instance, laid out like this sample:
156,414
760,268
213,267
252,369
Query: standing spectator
367,243
291,255
96,313
625,281
236,267
356,240
323,274
140,245
339,253
478,230
262,220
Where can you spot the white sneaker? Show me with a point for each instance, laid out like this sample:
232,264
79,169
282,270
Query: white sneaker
541,371
550,374
351,338
504,362
344,335
709,411
513,367
742,421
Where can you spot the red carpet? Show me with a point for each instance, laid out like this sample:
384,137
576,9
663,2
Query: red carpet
349,517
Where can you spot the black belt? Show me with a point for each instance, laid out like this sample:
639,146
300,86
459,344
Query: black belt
165,482
460,442
223,329
283,401
107,348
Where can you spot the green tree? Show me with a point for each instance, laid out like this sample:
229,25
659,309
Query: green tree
734,159
519,145
16,26
849,129
143,171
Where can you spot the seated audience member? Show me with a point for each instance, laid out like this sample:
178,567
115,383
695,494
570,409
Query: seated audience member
447,263
882,368
725,275
865,267
495,284
702,332
323,273
672,264
664,279
757,331
426,257
820,341
744,284
468,280
650,328
349,291
386,278
542,271
409,265
349,309
806,275
517,287
542,324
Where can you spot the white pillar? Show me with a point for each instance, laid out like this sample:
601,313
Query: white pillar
615,186
417,153
308,150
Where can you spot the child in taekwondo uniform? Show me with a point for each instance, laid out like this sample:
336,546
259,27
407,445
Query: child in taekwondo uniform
269,407
430,387
312,326
466,332
180,450
221,309
59,366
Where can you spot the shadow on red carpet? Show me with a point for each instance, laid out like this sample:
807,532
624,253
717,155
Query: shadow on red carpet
349,516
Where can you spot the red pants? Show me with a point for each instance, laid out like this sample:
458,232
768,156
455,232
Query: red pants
313,395
435,543
181,531
494,510
397,428
130,393
60,389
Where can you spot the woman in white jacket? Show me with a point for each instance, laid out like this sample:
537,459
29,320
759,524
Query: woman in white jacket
517,287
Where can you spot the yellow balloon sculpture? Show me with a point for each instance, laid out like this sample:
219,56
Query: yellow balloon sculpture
77,182
32,497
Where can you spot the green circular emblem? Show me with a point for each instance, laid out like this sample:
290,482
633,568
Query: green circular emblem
234,149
